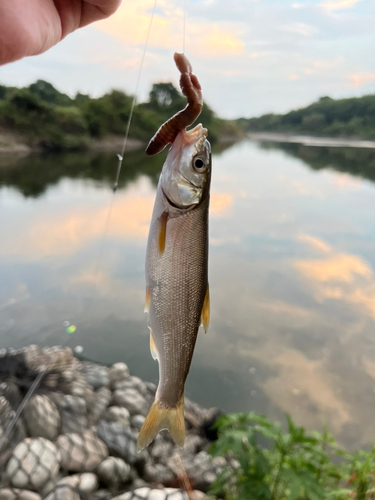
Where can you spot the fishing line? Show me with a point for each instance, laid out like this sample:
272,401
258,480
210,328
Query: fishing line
121,155
21,407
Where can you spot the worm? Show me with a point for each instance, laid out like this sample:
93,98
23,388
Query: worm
191,89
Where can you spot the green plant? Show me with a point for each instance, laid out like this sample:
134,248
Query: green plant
267,463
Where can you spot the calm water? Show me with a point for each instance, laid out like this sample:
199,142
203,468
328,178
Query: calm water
291,275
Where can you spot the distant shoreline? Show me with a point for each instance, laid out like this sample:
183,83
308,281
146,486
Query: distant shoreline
308,140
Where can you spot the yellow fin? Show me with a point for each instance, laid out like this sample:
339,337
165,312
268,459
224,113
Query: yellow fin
154,351
147,303
205,315
160,418
163,219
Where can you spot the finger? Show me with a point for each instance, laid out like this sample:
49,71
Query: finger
95,10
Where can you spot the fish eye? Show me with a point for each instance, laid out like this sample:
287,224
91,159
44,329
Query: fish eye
199,165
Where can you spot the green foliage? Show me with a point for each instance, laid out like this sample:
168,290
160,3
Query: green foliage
342,117
47,93
52,120
269,463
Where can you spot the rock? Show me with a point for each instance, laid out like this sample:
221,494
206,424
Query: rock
81,452
94,374
137,421
194,443
132,400
42,417
113,472
34,462
147,493
101,495
201,468
102,398
118,371
11,393
17,494
158,473
120,439
55,358
83,390
16,435
85,483
162,448
73,414
132,383
63,492
117,414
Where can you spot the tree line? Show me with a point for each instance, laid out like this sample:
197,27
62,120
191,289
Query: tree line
353,117
47,118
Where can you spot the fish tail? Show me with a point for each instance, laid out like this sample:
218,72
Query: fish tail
160,418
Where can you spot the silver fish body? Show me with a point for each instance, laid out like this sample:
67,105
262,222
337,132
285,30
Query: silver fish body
177,276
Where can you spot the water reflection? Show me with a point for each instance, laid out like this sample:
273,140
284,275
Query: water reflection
355,161
291,276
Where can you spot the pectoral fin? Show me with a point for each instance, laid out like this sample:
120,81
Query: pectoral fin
205,315
163,219
147,302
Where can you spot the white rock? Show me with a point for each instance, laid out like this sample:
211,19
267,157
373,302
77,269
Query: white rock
102,398
132,400
42,418
157,495
132,383
73,414
81,452
34,462
117,414
85,483
63,493
137,421
114,471
118,371
96,375
17,494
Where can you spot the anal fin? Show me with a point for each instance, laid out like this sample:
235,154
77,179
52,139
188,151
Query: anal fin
154,351
205,315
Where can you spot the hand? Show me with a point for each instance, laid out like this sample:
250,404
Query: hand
30,27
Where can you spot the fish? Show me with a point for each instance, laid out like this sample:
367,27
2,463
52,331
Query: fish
177,290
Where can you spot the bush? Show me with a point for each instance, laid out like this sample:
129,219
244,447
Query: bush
268,463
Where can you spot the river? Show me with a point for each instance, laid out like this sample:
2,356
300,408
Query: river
292,240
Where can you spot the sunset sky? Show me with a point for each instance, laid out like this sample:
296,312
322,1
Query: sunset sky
251,56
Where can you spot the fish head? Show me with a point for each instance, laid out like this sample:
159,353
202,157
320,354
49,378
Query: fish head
187,169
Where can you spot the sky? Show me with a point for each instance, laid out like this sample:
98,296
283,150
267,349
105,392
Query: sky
251,56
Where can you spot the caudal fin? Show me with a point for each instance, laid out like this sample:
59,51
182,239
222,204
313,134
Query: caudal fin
160,418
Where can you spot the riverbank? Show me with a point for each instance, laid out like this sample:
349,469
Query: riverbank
14,144
76,437
308,140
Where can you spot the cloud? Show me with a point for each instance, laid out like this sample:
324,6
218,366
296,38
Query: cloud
339,4
315,243
341,267
359,79
306,383
220,203
132,20
344,277
301,29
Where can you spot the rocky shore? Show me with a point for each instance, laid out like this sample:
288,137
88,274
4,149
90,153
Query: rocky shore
76,435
